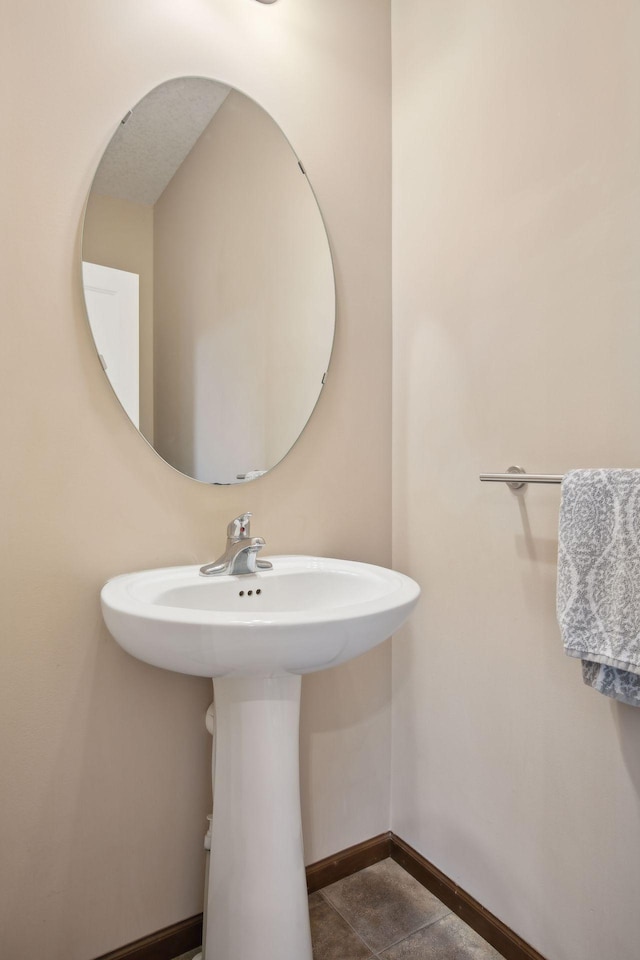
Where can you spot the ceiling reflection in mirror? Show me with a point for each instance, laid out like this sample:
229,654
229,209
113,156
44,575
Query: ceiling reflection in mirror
208,280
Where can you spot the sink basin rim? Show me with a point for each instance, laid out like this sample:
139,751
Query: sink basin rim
126,593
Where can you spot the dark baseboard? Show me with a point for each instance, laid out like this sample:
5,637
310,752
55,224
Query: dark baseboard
493,930
187,935
163,945
348,861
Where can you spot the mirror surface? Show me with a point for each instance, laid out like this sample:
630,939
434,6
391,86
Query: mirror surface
208,280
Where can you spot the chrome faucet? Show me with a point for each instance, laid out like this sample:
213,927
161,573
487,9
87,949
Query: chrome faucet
241,554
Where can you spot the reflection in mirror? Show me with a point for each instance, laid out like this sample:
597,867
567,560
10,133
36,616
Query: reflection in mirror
208,280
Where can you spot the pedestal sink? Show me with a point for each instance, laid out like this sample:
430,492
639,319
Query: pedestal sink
255,635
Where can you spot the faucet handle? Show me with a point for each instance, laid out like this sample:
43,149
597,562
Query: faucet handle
240,528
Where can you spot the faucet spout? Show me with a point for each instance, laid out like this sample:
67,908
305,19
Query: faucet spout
241,554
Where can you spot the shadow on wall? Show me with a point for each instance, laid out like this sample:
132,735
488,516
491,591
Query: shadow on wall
357,714
626,718
530,546
627,721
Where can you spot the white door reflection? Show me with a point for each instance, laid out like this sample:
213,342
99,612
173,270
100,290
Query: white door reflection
112,303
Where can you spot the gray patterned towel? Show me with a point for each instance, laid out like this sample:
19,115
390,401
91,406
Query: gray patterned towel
599,578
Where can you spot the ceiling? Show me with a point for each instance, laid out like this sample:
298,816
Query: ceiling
155,137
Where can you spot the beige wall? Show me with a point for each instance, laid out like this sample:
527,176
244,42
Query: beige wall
516,340
244,299
105,778
119,233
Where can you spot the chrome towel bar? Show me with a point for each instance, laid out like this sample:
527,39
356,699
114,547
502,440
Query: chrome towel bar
517,478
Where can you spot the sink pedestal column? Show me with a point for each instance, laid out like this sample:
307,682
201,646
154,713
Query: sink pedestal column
257,899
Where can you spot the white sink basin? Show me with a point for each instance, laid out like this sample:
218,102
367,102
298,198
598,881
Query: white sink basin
255,634
305,614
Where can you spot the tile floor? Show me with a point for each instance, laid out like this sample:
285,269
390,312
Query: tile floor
382,912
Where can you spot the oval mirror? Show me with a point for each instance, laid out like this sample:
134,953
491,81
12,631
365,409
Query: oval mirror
208,280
